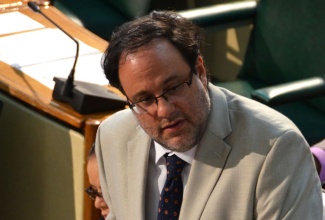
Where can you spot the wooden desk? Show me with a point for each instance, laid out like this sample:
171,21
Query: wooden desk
39,97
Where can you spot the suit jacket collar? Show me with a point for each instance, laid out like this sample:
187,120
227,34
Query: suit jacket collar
219,121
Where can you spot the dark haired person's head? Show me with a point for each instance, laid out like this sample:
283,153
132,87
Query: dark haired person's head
156,62
138,34
94,190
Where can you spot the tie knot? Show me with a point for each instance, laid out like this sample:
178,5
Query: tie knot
174,165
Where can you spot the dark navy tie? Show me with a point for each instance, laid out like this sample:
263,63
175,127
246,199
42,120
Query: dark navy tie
171,196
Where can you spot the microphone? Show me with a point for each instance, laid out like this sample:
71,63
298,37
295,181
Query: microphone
84,97
66,91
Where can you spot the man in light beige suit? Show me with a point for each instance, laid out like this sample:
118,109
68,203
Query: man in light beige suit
243,159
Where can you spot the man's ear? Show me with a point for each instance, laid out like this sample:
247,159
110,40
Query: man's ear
201,70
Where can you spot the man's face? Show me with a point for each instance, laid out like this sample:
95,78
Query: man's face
93,175
178,124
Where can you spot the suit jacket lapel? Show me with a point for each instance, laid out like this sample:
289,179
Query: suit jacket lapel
205,171
138,156
209,160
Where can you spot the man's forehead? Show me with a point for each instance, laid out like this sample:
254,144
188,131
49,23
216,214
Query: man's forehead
157,44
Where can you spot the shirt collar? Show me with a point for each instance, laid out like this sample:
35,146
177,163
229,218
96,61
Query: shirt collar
187,156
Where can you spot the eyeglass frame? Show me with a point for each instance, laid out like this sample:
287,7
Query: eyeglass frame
93,193
132,105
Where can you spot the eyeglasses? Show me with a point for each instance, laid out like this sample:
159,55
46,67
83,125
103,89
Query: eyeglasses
150,104
93,193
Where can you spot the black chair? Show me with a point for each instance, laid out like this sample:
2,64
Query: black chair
284,64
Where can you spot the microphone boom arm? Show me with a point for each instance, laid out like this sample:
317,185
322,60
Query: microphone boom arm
84,97
68,86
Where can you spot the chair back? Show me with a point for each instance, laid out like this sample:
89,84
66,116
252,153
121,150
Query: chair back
287,42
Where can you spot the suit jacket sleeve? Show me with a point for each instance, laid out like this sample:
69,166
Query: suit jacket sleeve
293,182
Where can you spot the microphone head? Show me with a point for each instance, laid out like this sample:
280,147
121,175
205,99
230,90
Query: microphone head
34,6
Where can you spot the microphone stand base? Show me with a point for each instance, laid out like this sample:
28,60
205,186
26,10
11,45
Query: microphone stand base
87,98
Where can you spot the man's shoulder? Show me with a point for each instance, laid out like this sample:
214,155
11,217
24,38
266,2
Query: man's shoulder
245,112
120,120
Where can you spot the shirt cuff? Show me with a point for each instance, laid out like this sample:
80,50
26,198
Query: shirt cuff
320,154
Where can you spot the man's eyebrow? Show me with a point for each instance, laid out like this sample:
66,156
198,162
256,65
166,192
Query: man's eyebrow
144,92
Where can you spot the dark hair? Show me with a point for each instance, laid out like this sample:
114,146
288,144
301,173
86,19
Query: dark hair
131,36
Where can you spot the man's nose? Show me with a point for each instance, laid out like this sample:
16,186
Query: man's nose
98,201
164,107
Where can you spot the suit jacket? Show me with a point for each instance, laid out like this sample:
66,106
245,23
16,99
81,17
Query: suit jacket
251,163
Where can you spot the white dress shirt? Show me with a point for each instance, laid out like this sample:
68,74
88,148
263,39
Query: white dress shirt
157,173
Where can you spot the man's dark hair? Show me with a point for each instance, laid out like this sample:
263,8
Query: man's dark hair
131,36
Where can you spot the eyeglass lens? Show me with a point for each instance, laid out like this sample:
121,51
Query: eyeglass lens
93,193
149,105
